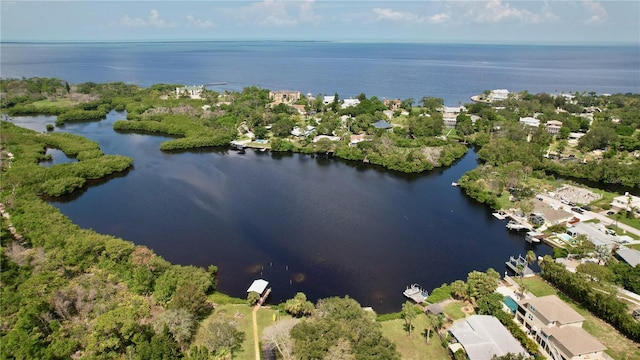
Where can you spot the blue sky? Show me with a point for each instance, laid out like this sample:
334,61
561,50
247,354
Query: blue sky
494,21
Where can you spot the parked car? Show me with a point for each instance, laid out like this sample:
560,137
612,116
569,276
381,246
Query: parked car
577,209
585,207
611,212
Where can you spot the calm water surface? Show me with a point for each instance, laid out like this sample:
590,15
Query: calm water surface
321,226
453,72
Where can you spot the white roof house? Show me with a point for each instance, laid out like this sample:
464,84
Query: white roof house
483,336
349,102
258,286
530,121
626,202
328,99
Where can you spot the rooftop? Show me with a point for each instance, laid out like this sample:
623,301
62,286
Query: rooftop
258,286
553,309
630,256
575,341
483,336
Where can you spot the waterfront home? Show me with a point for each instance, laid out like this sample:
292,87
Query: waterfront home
349,103
482,337
302,132
330,138
193,92
557,328
497,95
328,99
284,96
393,105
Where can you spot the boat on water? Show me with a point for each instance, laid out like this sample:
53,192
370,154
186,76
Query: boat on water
454,184
516,226
533,237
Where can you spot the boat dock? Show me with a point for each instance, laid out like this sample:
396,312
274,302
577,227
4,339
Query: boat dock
519,265
416,293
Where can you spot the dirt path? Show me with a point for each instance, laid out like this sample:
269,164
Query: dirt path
256,339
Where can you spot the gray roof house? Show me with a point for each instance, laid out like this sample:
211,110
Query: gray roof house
630,256
557,328
382,125
483,336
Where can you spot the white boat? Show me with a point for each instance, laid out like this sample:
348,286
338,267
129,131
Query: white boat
533,237
514,225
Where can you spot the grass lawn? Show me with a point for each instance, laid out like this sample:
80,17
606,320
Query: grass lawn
240,314
619,347
454,310
414,347
59,103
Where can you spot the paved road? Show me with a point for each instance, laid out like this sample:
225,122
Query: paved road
588,215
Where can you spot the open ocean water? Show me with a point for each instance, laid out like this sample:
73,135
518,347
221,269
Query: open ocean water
453,72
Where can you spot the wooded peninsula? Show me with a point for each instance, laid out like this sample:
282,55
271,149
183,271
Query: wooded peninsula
69,292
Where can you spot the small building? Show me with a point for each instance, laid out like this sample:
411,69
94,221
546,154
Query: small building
382,125
553,126
259,286
330,138
557,328
193,92
302,132
483,336
498,95
284,96
529,121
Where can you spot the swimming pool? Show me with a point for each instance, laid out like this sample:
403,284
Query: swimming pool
565,237
511,304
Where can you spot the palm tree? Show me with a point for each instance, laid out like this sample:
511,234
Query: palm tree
530,257
409,313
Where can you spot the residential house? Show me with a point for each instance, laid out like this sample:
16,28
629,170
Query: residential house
302,132
284,96
328,99
630,256
553,126
626,202
482,337
355,139
393,105
382,125
529,121
557,328
193,92
349,102
497,95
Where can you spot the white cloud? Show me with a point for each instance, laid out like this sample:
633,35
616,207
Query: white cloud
199,23
495,11
280,13
153,20
393,15
596,10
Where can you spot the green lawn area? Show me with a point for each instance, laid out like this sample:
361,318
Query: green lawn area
47,103
241,316
414,347
454,310
619,347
